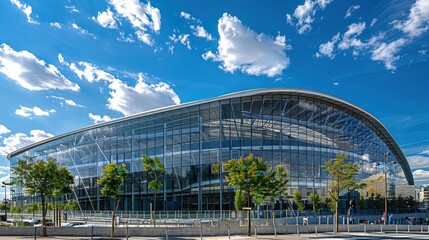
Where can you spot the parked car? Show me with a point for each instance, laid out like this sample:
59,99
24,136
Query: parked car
73,224
89,225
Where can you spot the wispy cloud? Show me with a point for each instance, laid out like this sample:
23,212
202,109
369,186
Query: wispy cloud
304,14
26,9
65,101
141,16
418,161
351,10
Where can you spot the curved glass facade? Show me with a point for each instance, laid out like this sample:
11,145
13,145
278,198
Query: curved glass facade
298,129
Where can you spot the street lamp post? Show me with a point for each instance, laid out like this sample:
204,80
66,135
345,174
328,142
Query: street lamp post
5,199
386,156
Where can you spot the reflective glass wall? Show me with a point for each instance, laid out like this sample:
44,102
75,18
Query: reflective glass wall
298,132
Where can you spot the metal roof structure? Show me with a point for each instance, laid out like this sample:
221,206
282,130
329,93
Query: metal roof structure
385,135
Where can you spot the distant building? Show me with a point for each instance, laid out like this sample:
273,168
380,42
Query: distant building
299,129
405,190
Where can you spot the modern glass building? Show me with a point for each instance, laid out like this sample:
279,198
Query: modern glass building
297,128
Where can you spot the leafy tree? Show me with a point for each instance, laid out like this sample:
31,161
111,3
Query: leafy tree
111,179
297,199
41,177
251,176
239,200
155,169
343,176
247,174
33,208
315,200
71,205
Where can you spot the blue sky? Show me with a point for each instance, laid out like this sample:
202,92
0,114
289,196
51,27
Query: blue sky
69,64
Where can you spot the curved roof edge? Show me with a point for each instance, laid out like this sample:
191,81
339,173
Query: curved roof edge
390,141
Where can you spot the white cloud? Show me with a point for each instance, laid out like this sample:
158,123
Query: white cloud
90,72
422,51
241,48
20,140
4,129
327,49
186,16
304,14
61,60
421,175
373,21
67,101
350,39
82,31
99,118
30,72
351,10
425,152
141,16
4,170
56,25
199,31
182,38
125,99
142,97
417,161
380,51
72,9
106,19
417,21
387,53
26,9
34,111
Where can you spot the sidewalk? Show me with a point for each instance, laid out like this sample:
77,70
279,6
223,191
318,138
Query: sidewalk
361,236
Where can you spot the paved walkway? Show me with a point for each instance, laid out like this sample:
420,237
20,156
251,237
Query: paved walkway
359,236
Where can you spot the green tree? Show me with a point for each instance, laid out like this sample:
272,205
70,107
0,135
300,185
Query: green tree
41,177
247,174
343,176
315,200
72,205
239,200
250,175
156,170
297,199
33,208
111,179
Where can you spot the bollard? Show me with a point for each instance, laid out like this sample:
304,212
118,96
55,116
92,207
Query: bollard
315,229
256,232
319,220
396,228
364,228
408,228
381,228
35,233
92,232
201,231
166,233
297,230
348,228
127,229
275,231
421,226
229,232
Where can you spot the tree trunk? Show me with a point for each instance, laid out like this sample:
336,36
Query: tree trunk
336,216
112,233
44,216
153,210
